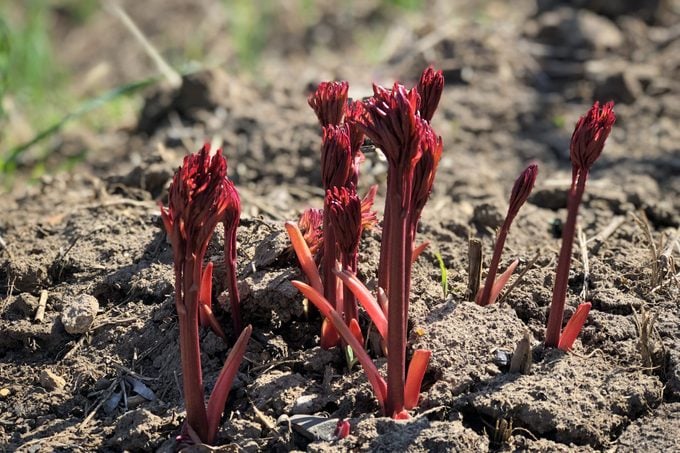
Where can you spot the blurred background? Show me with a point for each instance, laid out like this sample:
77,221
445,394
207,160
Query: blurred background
74,73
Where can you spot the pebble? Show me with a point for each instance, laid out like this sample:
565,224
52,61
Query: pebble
25,304
621,87
308,404
578,29
51,381
79,313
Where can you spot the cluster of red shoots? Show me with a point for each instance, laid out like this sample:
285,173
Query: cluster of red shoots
396,120
201,196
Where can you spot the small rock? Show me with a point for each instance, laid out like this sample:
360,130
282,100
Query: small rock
79,313
240,430
487,215
577,29
550,197
51,381
24,305
308,404
621,87
598,32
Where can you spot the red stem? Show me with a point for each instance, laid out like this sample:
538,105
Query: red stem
397,295
192,378
554,326
349,264
383,271
495,261
329,312
329,257
230,262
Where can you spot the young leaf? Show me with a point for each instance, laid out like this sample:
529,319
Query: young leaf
372,373
574,326
304,256
444,274
414,377
499,284
219,395
366,300
418,250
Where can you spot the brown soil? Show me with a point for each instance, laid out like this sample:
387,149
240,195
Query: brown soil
513,94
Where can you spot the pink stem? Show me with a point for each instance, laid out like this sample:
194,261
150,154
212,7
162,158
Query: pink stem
493,267
554,326
190,353
230,262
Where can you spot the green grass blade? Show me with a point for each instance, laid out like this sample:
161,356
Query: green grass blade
444,274
10,160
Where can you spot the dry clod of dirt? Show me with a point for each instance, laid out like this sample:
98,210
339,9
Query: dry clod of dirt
657,431
136,431
570,398
578,29
51,380
415,435
277,391
463,339
79,313
23,306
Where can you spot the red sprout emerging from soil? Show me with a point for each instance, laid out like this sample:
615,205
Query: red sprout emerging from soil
587,142
345,217
520,192
198,200
419,361
393,122
341,157
342,429
336,168
574,326
329,101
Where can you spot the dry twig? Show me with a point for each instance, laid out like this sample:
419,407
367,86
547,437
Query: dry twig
584,258
600,238
42,304
474,268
